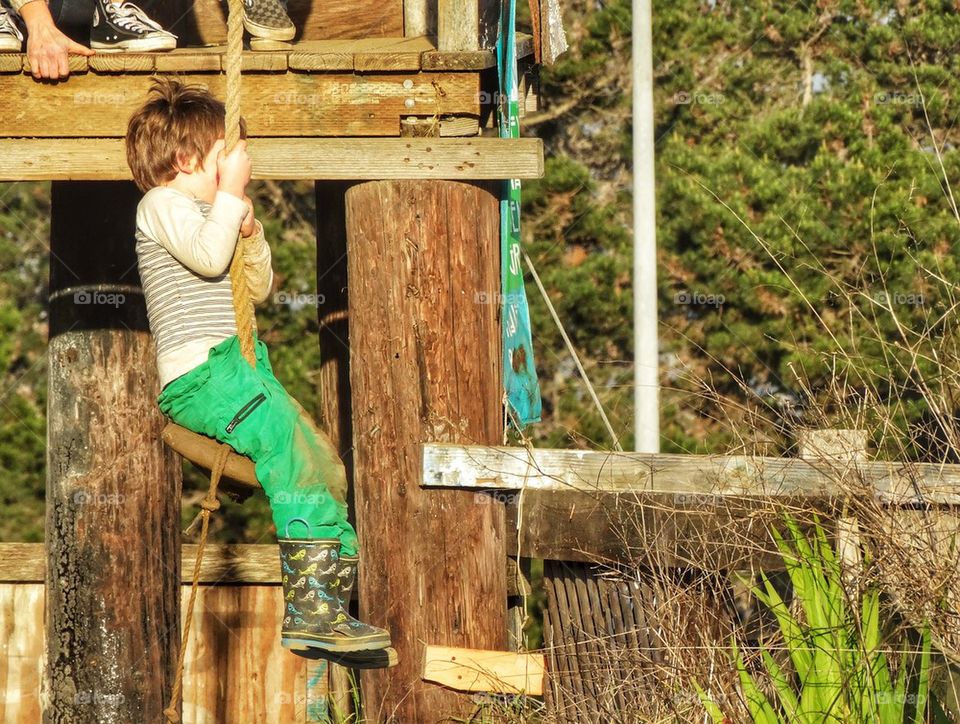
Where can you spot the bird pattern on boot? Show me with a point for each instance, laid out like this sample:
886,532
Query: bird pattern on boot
315,610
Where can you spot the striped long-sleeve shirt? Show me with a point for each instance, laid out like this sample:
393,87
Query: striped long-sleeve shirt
184,248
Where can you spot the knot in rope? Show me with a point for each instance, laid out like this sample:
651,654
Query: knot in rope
210,505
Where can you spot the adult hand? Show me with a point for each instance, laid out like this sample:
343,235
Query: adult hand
48,49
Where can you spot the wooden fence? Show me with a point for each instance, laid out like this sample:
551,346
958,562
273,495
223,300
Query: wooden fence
235,669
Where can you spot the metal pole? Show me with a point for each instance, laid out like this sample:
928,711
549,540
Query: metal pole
646,380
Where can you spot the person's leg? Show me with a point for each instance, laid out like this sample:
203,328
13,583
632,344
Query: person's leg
268,19
227,399
119,25
247,408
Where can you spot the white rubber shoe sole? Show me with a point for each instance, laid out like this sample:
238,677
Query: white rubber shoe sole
9,44
140,45
262,31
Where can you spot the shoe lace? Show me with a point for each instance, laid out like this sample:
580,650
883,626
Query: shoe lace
6,23
129,17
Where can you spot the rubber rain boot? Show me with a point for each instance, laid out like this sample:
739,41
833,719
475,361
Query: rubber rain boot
314,612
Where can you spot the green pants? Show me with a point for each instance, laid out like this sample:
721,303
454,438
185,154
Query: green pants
248,409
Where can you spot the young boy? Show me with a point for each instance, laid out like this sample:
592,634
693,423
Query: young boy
187,227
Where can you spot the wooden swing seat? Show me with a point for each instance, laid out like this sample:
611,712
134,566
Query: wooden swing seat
239,473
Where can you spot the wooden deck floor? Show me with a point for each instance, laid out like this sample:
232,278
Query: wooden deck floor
371,54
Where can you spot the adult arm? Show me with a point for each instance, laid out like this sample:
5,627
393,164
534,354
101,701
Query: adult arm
48,49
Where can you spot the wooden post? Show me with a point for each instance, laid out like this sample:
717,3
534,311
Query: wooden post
113,490
335,418
839,446
423,260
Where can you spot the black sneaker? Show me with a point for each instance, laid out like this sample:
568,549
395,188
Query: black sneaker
124,26
268,19
11,39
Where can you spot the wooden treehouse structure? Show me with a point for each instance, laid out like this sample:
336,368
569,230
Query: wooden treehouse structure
389,109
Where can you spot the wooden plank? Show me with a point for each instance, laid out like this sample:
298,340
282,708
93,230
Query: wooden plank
515,468
398,55
458,25
223,564
698,531
122,62
202,22
472,59
12,63
318,691
189,60
21,621
235,668
419,18
322,55
503,672
274,61
289,158
77,64
274,104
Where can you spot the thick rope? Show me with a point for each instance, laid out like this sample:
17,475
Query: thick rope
208,505
232,63
246,326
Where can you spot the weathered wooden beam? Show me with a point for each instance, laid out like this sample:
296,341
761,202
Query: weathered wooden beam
458,25
274,104
113,490
223,564
502,672
434,559
370,54
689,531
729,476
24,159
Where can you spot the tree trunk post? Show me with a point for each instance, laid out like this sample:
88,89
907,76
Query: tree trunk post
335,366
424,274
113,489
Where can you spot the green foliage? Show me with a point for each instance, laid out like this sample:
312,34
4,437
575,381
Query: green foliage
24,214
844,664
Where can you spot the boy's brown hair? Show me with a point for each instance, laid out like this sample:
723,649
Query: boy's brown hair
178,121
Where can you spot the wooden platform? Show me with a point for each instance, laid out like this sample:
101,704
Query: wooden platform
367,54
366,94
